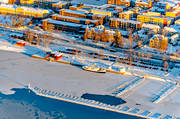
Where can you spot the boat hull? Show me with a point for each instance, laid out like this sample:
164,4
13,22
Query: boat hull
94,70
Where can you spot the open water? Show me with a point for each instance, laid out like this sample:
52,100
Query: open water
24,104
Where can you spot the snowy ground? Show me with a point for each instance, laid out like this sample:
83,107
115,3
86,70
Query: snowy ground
21,70
18,70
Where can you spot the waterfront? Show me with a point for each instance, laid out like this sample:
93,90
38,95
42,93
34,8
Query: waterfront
25,104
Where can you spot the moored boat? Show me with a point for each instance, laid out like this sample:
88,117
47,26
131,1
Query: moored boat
94,69
53,56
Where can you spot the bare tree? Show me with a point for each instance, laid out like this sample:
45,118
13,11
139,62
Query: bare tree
130,38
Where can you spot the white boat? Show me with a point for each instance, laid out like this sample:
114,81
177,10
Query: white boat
94,69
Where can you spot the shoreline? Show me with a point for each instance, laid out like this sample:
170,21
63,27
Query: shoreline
85,102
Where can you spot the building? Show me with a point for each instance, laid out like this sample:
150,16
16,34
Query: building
101,12
143,4
23,11
64,26
72,13
152,27
162,21
76,6
119,2
75,20
152,13
125,24
81,14
159,42
177,22
59,5
27,2
126,15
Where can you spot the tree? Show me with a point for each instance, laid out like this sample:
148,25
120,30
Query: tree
130,38
97,36
165,65
31,37
50,27
86,33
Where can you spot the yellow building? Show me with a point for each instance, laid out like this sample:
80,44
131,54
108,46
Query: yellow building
23,11
72,13
143,4
177,22
76,7
59,4
119,2
102,12
172,14
125,15
27,1
152,14
125,24
154,19
159,42
11,1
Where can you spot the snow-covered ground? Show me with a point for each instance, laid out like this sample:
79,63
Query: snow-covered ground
19,70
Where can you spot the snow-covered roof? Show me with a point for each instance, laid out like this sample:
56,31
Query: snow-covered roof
60,3
31,9
151,26
75,18
69,17
64,23
125,20
74,11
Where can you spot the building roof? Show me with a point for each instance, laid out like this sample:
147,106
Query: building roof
74,11
128,21
64,23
